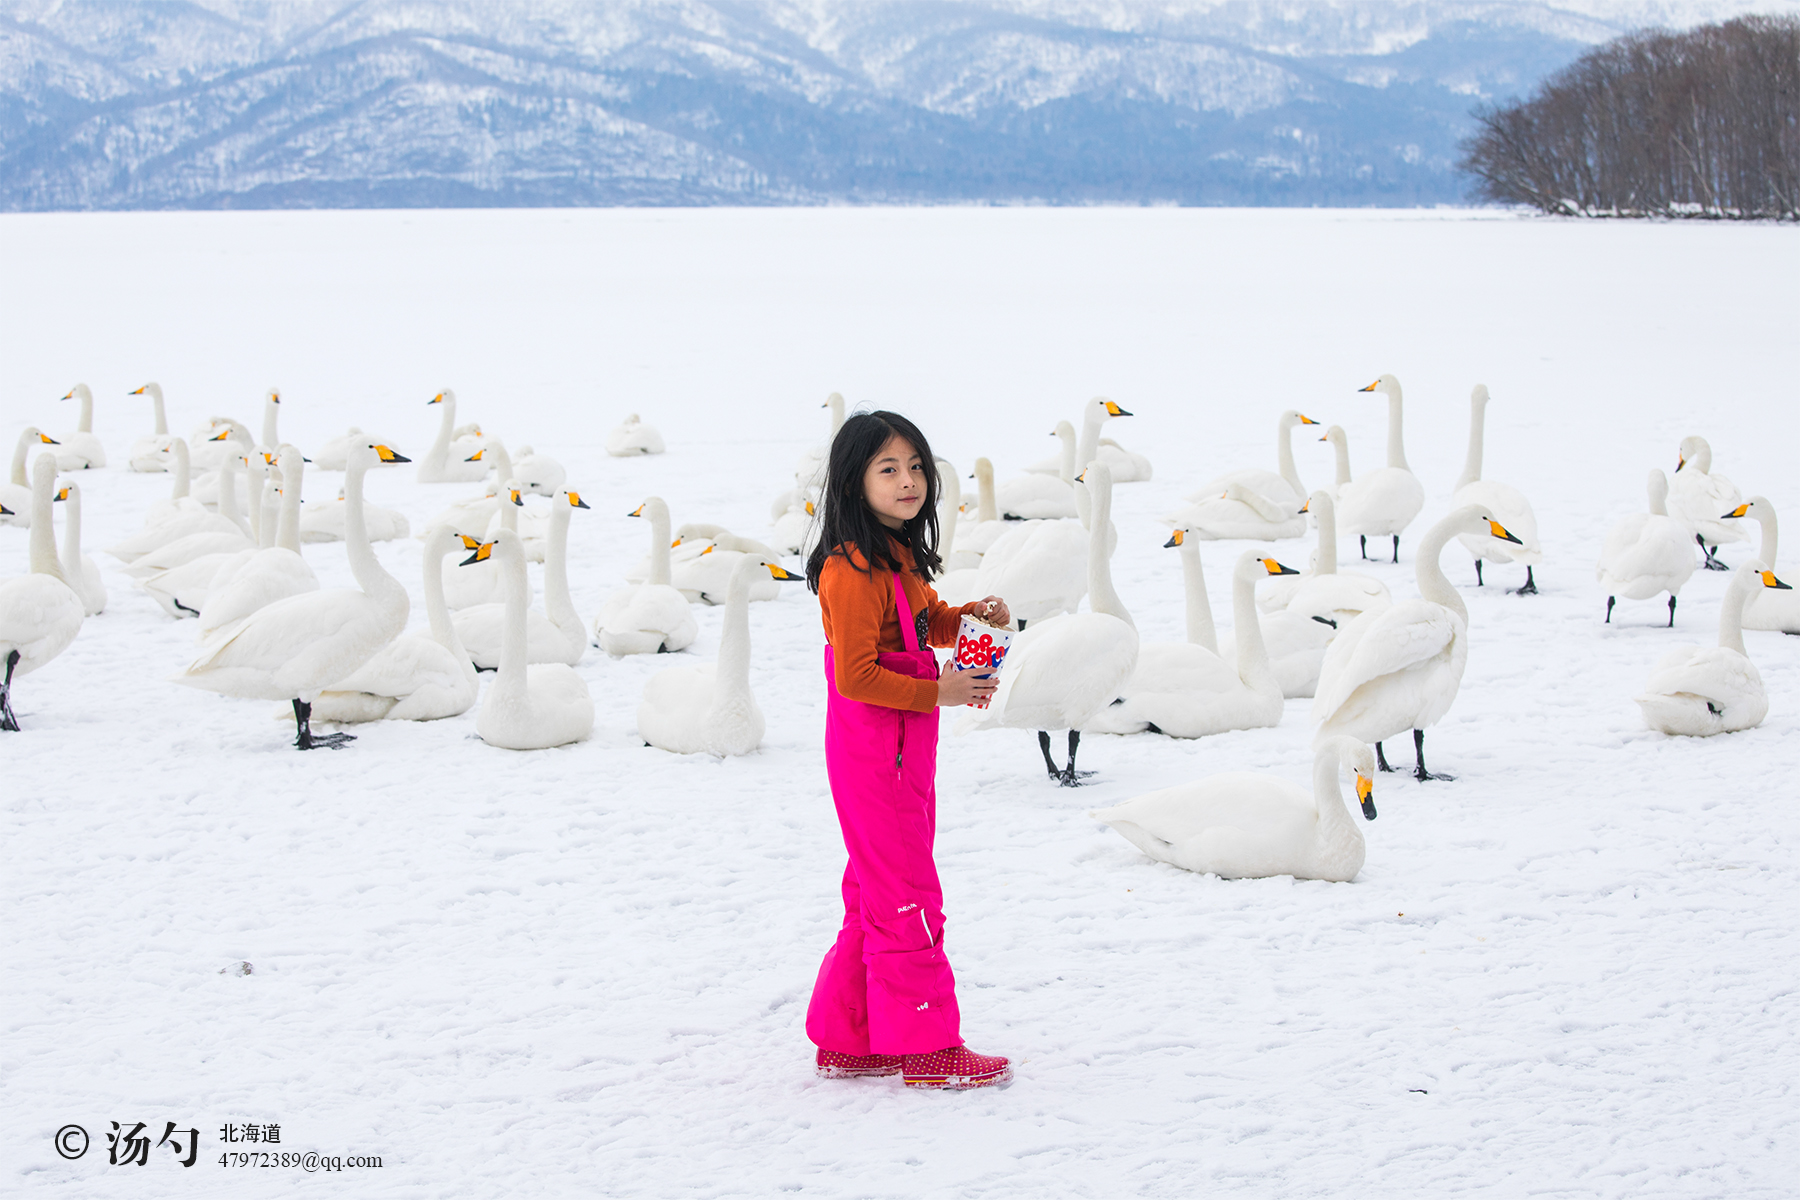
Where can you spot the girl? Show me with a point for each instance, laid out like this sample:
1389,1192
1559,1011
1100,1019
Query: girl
885,1000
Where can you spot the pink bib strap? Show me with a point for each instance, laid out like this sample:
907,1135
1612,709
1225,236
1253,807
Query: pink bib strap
909,631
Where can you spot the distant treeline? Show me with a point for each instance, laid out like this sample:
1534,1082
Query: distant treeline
1703,123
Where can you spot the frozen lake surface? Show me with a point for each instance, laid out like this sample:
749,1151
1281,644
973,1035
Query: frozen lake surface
583,972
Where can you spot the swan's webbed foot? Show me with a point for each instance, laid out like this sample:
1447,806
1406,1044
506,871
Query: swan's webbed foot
8,721
1712,562
1530,588
1419,772
1066,776
1381,761
305,739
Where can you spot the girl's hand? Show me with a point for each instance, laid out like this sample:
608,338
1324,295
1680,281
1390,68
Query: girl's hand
996,612
960,687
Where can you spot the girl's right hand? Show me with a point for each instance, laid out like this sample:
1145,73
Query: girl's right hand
961,687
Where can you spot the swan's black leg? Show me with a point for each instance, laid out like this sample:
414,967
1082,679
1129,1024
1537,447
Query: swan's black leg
304,738
1070,776
1049,763
1610,601
1396,547
1530,588
8,722
1421,774
1671,610
1479,581
1021,624
1712,562
1363,541
1381,758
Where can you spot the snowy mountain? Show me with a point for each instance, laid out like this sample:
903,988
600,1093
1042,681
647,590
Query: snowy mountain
328,103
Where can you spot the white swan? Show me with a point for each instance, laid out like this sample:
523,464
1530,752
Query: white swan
1060,672
326,522
708,707
1043,497
1399,667
179,499
1766,609
1697,691
1188,691
334,455
1246,826
448,459
295,648
809,472
174,517
228,536
79,449
269,574
150,454
1384,501
797,529
40,614
1325,592
529,706
415,677
631,436
976,532
539,474
1126,467
1698,496
1240,512
1042,570
1647,553
1505,503
950,549
232,441
1295,645
182,591
16,492
650,617
80,572
558,635
208,447
1281,487
1340,447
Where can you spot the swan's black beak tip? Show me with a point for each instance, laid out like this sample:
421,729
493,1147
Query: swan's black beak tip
1368,807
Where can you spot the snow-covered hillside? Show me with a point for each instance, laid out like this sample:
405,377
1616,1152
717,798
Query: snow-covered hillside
583,972
143,104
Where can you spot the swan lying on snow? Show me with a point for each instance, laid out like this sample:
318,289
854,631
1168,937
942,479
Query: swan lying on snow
79,449
1043,497
1647,553
708,707
1246,826
1125,466
1698,691
631,436
1281,488
151,454
558,634
40,614
650,617
448,460
529,706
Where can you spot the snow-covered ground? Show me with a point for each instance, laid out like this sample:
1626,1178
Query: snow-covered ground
583,972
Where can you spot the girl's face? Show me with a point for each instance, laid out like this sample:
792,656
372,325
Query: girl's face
894,483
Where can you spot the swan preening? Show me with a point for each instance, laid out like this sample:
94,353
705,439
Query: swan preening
1383,502
79,449
1399,667
1246,826
633,437
1501,501
296,648
1697,496
1698,691
1061,671
1773,610
1282,487
708,707
40,614
1647,553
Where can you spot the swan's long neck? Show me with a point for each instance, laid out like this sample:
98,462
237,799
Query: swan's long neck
1477,436
1659,494
1260,505
1731,613
258,484
440,449
1284,456
271,419
659,543
1340,446
1335,823
370,577
1396,440
162,418
43,531
1101,596
1324,510
184,471
1252,652
509,512
985,508
287,525
443,632
951,505
1433,586
1765,513
1702,460
510,678
502,461
87,411
1200,629
836,404
1067,474
228,500
19,478
559,606
731,679
71,546
1090,437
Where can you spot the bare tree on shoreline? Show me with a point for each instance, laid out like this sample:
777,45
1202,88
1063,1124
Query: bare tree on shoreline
1704,123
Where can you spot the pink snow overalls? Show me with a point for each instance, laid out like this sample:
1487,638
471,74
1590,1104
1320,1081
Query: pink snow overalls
885,987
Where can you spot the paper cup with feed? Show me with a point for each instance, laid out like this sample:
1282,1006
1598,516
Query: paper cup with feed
980,647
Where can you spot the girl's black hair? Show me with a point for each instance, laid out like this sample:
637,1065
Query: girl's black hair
845,517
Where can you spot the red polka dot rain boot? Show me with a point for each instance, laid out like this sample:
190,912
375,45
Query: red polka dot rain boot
956,1068
829,1064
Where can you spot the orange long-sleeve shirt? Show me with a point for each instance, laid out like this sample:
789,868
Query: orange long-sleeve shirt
861,621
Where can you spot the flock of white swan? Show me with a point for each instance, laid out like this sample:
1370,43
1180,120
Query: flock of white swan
226,548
